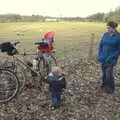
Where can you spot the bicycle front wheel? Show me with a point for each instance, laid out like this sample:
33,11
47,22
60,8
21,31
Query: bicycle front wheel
53,61
9,85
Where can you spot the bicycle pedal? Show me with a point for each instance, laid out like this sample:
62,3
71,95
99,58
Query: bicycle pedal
29,64
34,74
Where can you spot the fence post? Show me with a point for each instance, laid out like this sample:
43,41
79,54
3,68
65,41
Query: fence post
91,46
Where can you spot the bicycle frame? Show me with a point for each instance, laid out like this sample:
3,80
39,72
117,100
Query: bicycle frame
15,58
18,63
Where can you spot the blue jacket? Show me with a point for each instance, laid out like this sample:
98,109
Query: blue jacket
109,48
56,83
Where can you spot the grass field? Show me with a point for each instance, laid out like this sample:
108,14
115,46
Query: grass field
35,29
69,36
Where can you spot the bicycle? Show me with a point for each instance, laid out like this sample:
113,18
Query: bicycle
19,67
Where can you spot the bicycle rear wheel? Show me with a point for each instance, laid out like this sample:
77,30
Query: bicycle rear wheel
53,61
9,85
45,64
42,67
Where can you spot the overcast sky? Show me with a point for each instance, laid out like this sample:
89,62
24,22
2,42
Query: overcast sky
56,8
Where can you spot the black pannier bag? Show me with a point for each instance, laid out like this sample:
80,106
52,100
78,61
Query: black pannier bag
8,48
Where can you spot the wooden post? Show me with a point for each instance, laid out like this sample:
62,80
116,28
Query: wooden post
91,46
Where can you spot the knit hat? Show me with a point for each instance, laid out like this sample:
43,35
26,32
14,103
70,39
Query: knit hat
57,70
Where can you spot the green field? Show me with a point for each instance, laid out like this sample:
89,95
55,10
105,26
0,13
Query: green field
69,36
33,30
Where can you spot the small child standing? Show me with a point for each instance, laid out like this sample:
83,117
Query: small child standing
57,82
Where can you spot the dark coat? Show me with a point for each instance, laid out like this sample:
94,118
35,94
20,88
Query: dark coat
56,83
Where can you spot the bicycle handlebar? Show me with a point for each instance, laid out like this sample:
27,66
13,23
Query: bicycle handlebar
38,43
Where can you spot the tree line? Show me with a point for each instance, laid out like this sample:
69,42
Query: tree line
102,17
98,17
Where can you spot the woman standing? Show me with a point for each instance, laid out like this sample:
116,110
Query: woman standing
109,51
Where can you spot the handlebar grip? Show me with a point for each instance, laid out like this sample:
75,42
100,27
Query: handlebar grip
16,43
37,43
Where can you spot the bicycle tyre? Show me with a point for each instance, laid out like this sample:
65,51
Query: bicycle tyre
18,69
45,66
54,61
6,88
42,66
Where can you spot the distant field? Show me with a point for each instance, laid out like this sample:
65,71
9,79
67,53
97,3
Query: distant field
35,29
70,36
